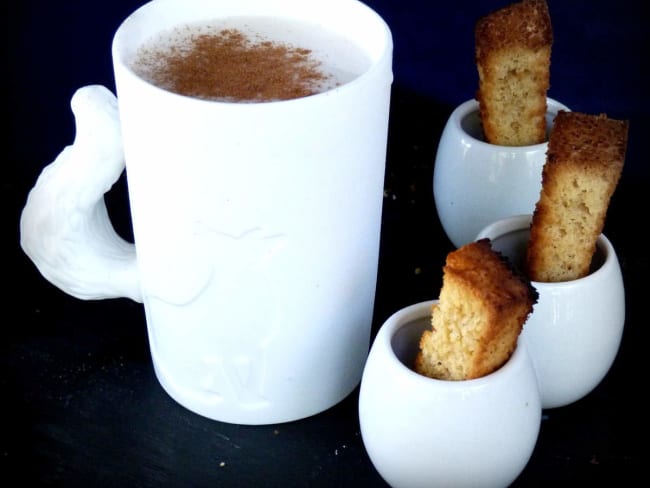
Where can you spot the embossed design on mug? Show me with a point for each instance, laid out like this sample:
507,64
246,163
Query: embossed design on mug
243,375
241,367
230,365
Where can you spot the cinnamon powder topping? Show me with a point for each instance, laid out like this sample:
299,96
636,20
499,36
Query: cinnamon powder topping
230,66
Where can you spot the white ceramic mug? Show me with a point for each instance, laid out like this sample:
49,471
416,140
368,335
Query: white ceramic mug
423,432
476,183
256,225
575,330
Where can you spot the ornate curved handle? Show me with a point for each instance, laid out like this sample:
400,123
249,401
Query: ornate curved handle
64,227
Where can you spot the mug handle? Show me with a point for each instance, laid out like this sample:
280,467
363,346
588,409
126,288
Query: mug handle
64,227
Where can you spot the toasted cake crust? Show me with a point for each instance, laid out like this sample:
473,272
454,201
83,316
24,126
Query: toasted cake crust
482,307
583,166
513,58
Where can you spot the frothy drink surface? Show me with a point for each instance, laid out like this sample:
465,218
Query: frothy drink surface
249,60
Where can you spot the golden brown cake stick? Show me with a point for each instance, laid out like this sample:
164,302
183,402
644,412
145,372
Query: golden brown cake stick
513,57
583,166
482,307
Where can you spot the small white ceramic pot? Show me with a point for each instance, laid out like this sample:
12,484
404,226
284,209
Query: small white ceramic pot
575,330
423,432
476,183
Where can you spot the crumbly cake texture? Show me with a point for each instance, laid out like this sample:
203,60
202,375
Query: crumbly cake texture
513,58
480,313
583,166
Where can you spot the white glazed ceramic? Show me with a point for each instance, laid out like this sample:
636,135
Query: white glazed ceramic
575,330
256,224
423,432
476,183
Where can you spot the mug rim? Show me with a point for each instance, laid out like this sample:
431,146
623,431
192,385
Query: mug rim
119,59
